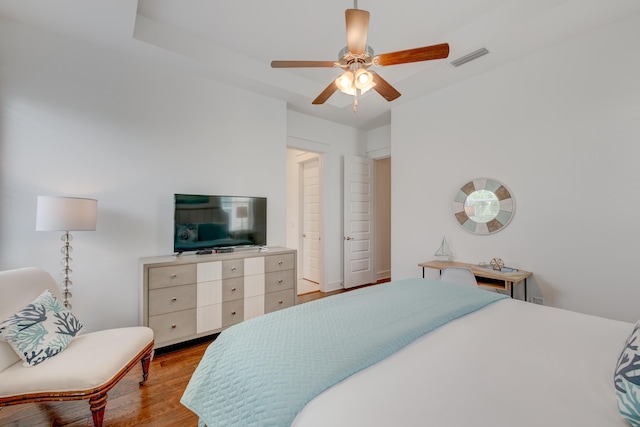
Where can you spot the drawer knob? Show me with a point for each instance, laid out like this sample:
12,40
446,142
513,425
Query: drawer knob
174,299
280,281
233,313
173,276
233,269
233,289
280,262
173,326
280,302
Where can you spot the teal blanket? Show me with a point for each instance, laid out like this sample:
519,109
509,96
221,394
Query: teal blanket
263,371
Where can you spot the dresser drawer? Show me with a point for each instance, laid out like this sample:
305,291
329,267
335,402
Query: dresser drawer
174,298
278,300
279,280
278,262
172,326
232,268
172,275
233,289
232,312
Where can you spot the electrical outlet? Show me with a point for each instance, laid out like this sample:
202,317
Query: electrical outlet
537,300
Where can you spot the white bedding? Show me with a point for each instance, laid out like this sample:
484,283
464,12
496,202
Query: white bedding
509,364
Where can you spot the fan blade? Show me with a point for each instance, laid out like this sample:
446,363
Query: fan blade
357,28
381,86
326,94
438,51
302,64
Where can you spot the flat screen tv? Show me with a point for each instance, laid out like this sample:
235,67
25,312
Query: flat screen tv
204,222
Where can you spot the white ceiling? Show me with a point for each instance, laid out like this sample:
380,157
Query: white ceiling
234,42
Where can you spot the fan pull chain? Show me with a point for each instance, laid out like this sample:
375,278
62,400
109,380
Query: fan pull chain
355,100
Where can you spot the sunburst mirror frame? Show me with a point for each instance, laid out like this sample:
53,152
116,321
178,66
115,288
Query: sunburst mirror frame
499,221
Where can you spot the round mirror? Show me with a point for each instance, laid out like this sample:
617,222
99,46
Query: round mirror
483,206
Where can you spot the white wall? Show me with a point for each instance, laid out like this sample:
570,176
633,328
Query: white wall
333,141
562,129
82,121
379,142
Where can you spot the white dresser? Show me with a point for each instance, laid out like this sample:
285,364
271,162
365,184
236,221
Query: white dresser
190,296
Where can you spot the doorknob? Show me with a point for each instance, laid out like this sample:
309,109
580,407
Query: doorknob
348,238
304,235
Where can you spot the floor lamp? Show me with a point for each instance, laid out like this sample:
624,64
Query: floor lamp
66,214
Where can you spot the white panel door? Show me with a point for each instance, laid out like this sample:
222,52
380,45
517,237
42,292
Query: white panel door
358,222
311,220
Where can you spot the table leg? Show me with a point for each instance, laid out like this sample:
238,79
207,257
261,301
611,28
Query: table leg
525,289
423,272
511,286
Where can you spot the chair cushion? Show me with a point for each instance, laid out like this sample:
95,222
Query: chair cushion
91,360
627,378
40,330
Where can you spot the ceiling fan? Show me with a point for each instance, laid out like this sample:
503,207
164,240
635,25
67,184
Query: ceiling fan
357,57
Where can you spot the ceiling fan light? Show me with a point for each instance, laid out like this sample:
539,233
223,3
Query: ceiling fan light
345,82
363,79
366,89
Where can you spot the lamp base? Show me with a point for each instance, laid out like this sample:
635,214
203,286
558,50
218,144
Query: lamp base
67,271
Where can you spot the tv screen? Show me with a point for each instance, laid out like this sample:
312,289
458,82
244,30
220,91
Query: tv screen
207,222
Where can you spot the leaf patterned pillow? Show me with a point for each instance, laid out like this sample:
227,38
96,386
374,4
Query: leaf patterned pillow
627,378
40,330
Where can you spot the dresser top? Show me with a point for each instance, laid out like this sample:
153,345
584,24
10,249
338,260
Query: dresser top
192,258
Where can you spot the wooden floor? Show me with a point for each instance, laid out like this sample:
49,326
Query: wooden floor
157,403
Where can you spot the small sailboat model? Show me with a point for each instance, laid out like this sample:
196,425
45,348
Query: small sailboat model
444,252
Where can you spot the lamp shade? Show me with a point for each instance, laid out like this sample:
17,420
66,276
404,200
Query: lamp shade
66,214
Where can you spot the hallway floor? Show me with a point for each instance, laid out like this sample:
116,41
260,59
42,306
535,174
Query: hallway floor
307,286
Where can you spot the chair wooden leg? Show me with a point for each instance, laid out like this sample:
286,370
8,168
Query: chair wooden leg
146,361
98,404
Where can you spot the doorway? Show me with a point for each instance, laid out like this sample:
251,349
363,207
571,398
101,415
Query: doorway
310,214
304,212
383,218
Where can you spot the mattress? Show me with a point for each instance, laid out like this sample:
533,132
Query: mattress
508,364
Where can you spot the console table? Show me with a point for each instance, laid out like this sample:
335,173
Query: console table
485,276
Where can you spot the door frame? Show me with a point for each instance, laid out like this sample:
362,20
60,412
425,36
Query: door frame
318,149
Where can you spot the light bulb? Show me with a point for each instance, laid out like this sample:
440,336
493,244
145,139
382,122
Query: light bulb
363,79
345,82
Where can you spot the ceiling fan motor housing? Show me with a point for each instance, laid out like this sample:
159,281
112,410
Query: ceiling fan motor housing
346,58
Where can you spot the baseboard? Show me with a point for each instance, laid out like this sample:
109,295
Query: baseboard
383,275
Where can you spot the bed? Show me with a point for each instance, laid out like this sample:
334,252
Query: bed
419,352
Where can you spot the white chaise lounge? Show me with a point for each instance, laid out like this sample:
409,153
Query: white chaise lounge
88,368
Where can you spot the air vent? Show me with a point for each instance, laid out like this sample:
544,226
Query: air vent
469,57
